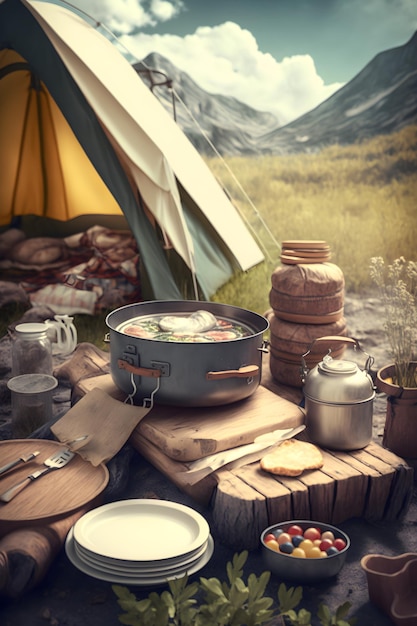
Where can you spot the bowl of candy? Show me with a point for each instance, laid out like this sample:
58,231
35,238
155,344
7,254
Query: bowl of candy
304,551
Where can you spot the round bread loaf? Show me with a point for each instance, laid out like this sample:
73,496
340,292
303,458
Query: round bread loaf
292,457
296,338
288,342
309,293
286,372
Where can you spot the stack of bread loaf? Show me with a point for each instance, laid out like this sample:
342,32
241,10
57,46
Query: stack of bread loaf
307,302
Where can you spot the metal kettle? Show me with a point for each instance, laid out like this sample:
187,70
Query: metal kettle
338,399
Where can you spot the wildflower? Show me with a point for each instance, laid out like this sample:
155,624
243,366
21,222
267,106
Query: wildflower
397,286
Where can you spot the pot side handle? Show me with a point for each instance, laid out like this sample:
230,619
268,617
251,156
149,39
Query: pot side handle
139,371
246,371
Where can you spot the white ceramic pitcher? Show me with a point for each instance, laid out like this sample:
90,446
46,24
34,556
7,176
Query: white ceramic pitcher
62,334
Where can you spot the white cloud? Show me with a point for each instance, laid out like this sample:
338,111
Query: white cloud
223,59
164,10
226,60
123,16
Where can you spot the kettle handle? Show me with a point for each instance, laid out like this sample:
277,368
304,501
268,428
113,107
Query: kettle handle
340,340
334,339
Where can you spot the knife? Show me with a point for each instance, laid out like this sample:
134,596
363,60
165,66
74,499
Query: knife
55,462
197,470
21,459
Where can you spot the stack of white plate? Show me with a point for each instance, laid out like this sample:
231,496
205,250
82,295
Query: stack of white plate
140,542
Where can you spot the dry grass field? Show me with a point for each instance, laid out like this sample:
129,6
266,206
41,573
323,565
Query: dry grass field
361,199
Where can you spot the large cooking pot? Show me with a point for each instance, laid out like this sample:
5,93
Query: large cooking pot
181,373
338,400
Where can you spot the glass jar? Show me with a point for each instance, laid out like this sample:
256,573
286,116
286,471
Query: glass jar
31,402
31,350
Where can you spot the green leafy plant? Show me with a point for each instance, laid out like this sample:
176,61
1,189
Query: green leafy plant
211,602
397,285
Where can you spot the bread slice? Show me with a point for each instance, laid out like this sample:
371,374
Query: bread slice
292,457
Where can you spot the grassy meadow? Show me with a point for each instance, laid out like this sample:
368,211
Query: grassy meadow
361,199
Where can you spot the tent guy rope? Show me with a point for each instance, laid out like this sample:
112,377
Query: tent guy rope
270,249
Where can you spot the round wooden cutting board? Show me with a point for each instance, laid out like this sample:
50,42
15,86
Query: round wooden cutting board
56,494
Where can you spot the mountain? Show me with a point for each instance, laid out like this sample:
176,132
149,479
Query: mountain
232,127
381,99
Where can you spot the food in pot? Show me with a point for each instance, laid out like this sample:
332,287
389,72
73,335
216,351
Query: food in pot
197,322
198,327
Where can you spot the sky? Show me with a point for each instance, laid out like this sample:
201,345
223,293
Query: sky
281,56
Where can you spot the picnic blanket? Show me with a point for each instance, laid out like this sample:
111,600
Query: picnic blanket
89,272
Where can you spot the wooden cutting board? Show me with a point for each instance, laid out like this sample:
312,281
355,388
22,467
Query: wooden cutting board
189,433
56,494
186,434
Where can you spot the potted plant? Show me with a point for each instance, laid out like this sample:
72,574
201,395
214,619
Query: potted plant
397,286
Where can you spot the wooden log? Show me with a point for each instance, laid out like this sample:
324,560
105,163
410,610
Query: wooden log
278,496
321,489
401,493
299,497
401,488
351,488
380,476
239,512
27,553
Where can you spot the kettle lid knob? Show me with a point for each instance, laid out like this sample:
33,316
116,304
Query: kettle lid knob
332,366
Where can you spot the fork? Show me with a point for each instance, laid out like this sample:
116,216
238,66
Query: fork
56,461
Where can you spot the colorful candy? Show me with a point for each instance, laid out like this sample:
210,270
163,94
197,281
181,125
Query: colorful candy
310,543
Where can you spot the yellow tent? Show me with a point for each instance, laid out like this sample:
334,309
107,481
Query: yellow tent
81,134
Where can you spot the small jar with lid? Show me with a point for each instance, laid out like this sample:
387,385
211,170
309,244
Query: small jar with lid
31,350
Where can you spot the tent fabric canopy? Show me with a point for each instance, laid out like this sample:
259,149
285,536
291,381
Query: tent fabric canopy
40,129
80,133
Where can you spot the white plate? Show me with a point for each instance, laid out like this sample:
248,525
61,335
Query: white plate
122,579
130,568
139,574
142,530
